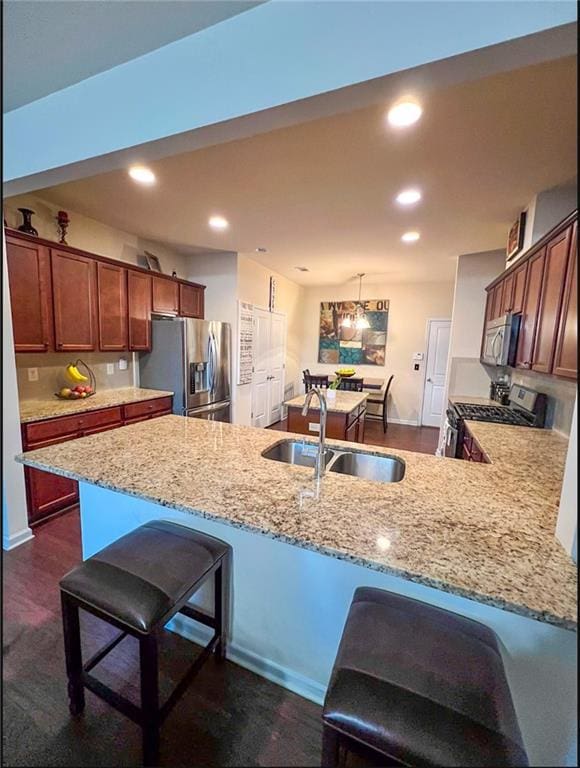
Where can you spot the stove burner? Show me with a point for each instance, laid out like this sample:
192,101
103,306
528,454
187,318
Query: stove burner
494,413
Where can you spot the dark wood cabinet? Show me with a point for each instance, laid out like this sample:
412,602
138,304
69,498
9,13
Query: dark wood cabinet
339,425
112,307
557,252
74,288
566,360
519,289
190,300
471,450
165,296
496,301
31,295
529,318
49,494
139,310
507,295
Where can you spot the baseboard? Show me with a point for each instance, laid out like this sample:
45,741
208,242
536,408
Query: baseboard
276,673
404,422
11,542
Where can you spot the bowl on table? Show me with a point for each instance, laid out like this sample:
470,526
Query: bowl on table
345,373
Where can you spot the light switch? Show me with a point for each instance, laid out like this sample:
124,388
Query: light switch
418,356
110,369
32,374
416,367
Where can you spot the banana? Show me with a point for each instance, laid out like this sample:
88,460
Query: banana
74,373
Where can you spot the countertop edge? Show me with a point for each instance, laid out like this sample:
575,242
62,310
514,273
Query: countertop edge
496,602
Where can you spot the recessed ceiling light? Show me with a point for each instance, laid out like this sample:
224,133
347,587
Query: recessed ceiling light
218,222
410,237
142,174
408,197
261,250
302,269
404,113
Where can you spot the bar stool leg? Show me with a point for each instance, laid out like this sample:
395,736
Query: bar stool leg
330,748
73,654
222,605
149,698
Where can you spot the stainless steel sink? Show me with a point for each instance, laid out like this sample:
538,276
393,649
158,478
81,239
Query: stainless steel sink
381,469
296,452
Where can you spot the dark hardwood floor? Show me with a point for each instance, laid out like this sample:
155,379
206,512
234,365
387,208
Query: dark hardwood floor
227,717
419,439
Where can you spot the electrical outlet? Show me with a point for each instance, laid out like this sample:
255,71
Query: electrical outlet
110,369
123,364
32,374
416,366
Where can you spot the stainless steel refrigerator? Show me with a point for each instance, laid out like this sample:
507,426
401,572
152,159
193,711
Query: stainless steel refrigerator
192,359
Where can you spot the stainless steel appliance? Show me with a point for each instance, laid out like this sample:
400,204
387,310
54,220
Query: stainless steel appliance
500,340
192,359
526,408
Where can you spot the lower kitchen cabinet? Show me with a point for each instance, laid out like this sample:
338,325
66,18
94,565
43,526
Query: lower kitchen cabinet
339,426
472,450
48,494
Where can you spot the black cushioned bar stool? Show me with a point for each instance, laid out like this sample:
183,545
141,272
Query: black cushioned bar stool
137,584
418,685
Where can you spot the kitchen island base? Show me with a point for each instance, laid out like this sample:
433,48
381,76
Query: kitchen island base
289,605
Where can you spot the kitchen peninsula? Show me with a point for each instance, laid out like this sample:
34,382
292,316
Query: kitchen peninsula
300,549
345,420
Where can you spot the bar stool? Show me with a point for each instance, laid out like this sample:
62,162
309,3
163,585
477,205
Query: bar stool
418,685
137,584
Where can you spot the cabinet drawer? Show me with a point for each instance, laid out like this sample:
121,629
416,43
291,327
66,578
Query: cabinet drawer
107,417
65,428
147,408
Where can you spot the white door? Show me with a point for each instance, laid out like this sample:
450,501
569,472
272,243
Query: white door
438,334
276,373
260,380
268,376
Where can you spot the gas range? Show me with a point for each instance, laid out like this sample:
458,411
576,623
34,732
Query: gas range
526,408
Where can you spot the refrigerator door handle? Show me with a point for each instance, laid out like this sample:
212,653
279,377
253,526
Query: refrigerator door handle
213,359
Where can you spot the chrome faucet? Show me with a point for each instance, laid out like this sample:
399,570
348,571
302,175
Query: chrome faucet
320,466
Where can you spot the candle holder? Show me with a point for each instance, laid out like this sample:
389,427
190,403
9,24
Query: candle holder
62,221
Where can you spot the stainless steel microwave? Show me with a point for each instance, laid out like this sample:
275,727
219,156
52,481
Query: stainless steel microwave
500,340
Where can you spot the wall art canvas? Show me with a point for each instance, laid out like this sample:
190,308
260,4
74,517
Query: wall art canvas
353,346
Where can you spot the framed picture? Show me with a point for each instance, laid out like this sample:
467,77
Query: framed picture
516,236
152,262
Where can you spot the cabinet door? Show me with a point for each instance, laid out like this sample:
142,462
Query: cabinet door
565,360
496,301
139,310
190,301
530,310
165,295
48,493
557,252
74,288
30,294
519,288
112,306
507,295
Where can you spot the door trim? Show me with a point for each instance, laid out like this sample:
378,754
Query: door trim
284,316
427,334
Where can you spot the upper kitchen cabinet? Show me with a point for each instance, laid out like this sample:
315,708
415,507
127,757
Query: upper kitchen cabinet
565,360
165,296
531,303
30,295
512,299
496,301
190,300
112,306
74,286
139,310
557,253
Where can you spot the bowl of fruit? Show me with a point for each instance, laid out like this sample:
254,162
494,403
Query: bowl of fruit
344,373
75,385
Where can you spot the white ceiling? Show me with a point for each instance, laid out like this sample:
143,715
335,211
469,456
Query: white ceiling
80,38
320,194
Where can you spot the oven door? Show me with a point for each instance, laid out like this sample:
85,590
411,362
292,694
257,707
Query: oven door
451,435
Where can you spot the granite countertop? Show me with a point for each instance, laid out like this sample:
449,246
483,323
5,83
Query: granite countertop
469,400
39,410
482,531
343,402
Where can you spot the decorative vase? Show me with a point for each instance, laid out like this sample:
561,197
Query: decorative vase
63,221
331,394
26,225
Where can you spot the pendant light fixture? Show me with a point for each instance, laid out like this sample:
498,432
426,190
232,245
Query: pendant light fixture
360,321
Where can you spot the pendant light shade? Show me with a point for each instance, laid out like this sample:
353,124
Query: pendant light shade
360,322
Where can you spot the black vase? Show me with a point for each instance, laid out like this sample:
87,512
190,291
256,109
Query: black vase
26,225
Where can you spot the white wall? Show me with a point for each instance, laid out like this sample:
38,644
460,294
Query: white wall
15,528
567,524
410,306
547,209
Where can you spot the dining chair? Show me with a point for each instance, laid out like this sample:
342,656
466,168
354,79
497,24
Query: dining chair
383,402
351,384
312,380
